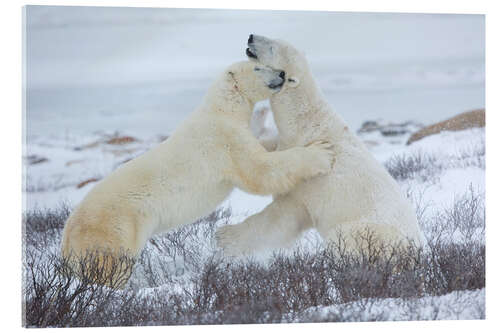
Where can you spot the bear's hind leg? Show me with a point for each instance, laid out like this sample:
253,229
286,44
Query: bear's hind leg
277,226
365,238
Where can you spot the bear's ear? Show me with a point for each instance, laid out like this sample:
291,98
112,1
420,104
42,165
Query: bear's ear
293,81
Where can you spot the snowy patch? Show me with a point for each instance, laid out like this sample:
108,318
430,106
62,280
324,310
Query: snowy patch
458,305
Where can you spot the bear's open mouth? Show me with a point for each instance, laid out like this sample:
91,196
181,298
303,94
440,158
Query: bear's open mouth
250,54
276,86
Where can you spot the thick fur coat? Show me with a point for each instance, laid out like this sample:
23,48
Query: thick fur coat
357,197
195,169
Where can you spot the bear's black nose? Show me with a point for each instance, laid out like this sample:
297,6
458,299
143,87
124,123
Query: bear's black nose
282,75
250,39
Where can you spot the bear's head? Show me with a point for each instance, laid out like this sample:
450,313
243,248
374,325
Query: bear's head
276,53
256,82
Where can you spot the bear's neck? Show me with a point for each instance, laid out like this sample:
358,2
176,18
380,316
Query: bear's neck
225,97
302,115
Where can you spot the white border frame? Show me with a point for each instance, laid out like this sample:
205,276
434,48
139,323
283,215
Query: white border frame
11,69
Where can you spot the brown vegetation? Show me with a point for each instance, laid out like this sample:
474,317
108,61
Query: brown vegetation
35,159
121,140
223,291
475,118
85,182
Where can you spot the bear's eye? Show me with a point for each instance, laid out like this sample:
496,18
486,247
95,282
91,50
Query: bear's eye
256,69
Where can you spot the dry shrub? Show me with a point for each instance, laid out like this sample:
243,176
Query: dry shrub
207,288
410,166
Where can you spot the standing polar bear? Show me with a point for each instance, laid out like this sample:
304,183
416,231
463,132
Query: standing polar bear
356,196
189,174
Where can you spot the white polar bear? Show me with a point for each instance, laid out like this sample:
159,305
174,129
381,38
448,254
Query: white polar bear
190,173
357,196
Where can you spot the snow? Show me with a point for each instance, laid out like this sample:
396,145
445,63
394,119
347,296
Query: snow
455,179
56,180
457,305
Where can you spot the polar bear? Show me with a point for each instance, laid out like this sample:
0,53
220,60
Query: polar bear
356,198
188,175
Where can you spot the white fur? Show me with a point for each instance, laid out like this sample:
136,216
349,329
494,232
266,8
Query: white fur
358,195
194,170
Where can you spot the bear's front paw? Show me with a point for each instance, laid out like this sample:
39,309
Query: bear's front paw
321,158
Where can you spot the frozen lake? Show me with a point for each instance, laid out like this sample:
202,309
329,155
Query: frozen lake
143,70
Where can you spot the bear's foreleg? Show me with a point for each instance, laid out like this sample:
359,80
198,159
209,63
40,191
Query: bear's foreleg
271,173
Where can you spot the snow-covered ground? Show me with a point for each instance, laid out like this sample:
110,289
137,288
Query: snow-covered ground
457,168
458,305
72,161
95,75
